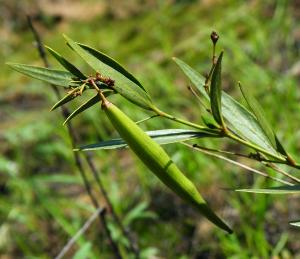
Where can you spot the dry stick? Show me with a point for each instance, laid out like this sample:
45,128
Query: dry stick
236,163
74,139
80,232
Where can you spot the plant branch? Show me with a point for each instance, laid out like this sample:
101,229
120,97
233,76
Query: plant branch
235,163
230,135
269,163
74,139
279,170
182,121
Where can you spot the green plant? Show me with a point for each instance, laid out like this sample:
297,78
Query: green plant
225,117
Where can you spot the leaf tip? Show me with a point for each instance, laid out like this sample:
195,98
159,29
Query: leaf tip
52,108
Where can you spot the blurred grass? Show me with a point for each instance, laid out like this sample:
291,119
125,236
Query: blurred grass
43,202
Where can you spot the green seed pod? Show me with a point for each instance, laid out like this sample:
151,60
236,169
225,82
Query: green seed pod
158,161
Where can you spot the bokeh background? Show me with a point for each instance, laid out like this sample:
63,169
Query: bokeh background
42,199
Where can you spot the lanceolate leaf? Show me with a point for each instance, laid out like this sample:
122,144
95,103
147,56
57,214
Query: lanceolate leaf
259,114
89,103
244,123
66,64
240,120
112,63
67,98
162,137
275,190
124,86
216,92
51,76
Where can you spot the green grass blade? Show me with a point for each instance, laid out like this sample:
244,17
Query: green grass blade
216,92
294,189
66,64
51,76
124,86
88,104
259,113
162,137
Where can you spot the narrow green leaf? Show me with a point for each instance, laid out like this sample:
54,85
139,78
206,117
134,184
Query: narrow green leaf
124,86
51,76
66,64
111,63
216,92
243,122
162,137
257,110
287,189
240,120
88,104
67,98
295,223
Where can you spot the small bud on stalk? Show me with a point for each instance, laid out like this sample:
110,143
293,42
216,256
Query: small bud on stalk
214,38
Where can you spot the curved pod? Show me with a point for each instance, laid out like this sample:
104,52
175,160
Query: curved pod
158,161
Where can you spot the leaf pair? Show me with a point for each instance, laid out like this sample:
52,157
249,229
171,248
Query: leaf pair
252,126
125,83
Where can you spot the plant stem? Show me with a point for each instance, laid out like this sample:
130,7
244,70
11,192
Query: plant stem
228,134
171,117
255,147
236,163
74,139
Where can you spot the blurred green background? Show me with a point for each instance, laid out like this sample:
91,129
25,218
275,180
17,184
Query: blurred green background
43,201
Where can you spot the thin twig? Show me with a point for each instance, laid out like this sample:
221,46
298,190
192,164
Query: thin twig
80,232
191,89
264,161
74,139
221,151
279,170
146,119
236,163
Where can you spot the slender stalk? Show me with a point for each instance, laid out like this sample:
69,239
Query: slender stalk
146,119
170,117
269,163
190,88
279,170
236,163
249,144
228,134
